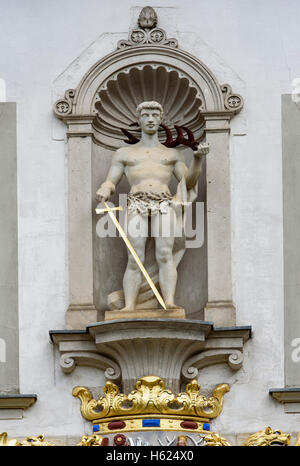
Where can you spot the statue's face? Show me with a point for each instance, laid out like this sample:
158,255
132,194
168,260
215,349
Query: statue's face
149,120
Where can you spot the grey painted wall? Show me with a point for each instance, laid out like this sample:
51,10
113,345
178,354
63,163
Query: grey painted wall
291,232
9,333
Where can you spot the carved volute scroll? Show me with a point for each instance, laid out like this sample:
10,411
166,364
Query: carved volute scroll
232,101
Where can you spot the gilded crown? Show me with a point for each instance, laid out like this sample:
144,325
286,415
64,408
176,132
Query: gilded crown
151,407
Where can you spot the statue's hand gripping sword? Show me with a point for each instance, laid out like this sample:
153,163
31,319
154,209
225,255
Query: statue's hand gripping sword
110,210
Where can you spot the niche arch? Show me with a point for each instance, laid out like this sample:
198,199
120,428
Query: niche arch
94,112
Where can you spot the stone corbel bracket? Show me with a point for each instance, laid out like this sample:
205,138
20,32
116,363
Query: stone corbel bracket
129,349
223,345
77,349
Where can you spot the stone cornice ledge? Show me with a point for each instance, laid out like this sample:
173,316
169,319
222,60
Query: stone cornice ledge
17,401
286,395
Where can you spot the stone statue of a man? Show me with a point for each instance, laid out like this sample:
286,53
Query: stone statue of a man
149,166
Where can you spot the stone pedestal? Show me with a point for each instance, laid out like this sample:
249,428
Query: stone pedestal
176,313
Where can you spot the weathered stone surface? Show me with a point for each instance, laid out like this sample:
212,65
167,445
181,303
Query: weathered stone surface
222,314
78,317
178,313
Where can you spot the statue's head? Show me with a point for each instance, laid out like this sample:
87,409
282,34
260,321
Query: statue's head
149,116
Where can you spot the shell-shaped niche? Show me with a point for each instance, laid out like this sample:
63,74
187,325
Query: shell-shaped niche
121,93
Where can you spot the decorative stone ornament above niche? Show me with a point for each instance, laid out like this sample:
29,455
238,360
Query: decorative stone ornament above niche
147,33
148,18
147,66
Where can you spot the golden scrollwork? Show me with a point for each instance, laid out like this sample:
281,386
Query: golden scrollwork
215,440
90,441
268,437
6,442
38,441
151,397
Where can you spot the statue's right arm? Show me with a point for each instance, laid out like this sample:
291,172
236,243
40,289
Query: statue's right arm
114,175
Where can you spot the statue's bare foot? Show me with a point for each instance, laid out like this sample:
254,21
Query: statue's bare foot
126,308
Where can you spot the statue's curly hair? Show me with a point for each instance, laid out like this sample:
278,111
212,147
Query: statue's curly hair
151,105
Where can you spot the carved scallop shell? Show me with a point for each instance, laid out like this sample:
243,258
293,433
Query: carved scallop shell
120,94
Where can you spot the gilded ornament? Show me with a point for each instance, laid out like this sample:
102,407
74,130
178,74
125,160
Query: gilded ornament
6,442
38,441
151,397
267,438
194,403
215,440
90,441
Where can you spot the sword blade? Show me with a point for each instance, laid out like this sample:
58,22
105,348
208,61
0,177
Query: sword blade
136,257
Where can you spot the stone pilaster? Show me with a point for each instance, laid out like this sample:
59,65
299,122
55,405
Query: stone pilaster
81,310
220,308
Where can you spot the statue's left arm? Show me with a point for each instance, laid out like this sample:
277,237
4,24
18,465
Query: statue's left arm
192,173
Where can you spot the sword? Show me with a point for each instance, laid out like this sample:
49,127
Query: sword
110,210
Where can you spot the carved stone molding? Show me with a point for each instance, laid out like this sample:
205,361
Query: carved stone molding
175,350
69,361
120,93
64,106
138,37
147,18
17,401
289,397
147,66
223,345
233,102
77,348
234,358
147,33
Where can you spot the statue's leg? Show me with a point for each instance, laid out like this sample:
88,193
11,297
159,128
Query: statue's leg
137,232
163,229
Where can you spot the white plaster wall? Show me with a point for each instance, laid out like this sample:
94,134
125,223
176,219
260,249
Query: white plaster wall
252,45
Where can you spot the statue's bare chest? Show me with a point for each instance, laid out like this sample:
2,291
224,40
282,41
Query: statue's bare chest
151,158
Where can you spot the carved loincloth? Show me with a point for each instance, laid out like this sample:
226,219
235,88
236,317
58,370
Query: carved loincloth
146,203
